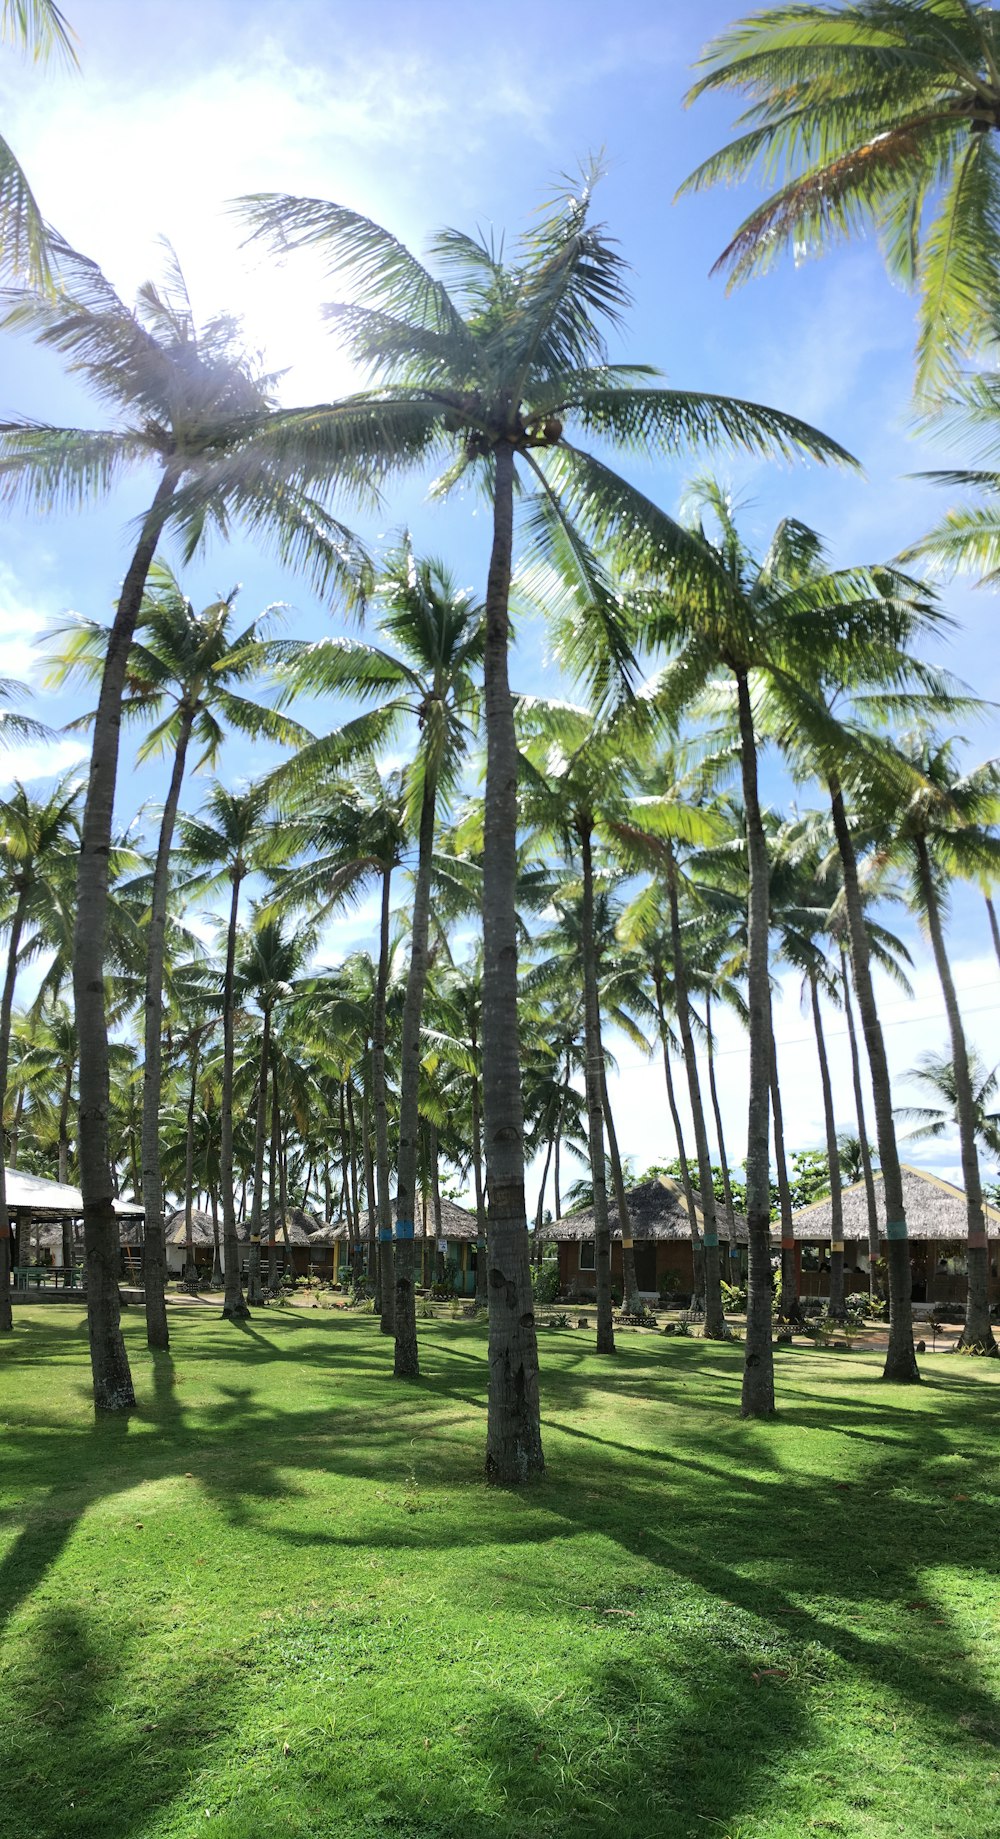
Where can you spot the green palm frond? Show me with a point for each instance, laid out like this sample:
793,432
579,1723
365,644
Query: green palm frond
386,277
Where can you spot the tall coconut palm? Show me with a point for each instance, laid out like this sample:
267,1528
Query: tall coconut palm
266,969
788,635
356,832
438,632
190,403
184,675
936,1073
876,112
491,364
37,836
944,829
231,839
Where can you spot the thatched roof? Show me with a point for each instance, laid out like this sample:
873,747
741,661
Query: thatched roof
658,1210
296,1231
201,1228
456,1223
935,1209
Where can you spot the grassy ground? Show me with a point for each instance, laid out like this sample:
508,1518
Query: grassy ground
278,1599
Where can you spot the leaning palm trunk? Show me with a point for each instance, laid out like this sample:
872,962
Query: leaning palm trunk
630,1287
514,1435
234,1307
716,1328
406,1363
113,1390
154,1262
594,1088
383,1195
727,1186
788,1301
901,1360
6,1009
859,1106
977,1334
254,1293
758,1365
838,1307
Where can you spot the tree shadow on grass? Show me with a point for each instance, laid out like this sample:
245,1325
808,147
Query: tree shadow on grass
689,1520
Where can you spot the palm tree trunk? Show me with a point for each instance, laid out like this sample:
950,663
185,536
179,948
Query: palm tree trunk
254,1291
994,927
154,1262
282,1176
189,1158
715,1322
901,1360
234,1306
406,1360
514,1433
6,1010
64,1105
386,1273
788,1305
630,1287
697,1256
977,1334
859,1106
477,1177
213,1200
113,1389
838,1308
272,1186
727,1186
352,1137
758,1364
594,1090
368,1170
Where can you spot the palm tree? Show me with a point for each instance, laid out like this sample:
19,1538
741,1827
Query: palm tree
37,836
184,675
38,28
490,369
936,1073
357,832
191,403
439,634
944,830
877,112
266,969
231,839
793,637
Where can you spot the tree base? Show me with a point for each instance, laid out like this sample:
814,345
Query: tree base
236,1312
901,1367
982,1344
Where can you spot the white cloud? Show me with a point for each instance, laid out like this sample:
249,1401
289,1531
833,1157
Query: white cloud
42,760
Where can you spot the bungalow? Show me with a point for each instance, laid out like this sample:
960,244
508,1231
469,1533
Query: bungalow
661,1235
937,1222
449,1258
301,1228
37,1210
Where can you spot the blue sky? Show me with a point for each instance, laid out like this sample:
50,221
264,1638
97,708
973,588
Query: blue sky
460,113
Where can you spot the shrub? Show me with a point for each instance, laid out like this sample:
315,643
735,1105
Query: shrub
734,1297
545,1281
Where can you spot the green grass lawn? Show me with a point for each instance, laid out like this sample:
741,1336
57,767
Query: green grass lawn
278,1600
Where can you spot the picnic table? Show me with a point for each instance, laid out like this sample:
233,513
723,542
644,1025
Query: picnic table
36,1276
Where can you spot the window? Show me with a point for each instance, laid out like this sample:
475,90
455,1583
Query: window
587,1259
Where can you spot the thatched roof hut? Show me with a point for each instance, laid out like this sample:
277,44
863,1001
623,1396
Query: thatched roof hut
457,1223
935,1209
297,1233
658,1210
175,1228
